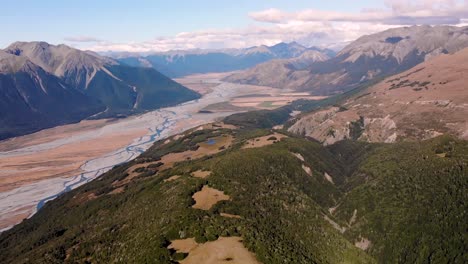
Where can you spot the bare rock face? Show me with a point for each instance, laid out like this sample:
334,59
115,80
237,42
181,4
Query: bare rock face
75,66
379,130
10,63
307,58
423,102
328,126
402,43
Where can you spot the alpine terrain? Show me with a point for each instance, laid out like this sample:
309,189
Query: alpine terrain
44,85
264,149
368,57
184,62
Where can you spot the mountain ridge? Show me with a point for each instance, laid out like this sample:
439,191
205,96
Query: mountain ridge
380,54
179,63
102,85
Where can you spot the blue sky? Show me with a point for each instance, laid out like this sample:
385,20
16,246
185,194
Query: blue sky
145,24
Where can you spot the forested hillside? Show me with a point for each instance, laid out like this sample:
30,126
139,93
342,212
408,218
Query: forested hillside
288,200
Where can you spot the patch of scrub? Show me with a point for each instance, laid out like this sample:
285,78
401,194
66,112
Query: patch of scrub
134,171
230,215
83,198
223,250
172,178
221,142
208,197
201,174
307,169
363,244
264,141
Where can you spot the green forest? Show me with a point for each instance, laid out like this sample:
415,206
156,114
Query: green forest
407,200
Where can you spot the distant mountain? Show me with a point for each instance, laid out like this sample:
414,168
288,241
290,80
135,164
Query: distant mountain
426,101
43,85
381,54
180,63
281,72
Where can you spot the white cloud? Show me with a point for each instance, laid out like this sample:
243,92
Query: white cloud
307,33
308,27
398,12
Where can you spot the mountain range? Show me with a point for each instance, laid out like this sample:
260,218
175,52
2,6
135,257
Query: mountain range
181,63
381,54
43,85
375,173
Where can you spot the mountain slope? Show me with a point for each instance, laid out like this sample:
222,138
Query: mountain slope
291,201
406,200
380,54
180,63
47,85
281,72
425,101
119,87
31,98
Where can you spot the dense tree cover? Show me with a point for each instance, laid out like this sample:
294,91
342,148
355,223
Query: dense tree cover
410,202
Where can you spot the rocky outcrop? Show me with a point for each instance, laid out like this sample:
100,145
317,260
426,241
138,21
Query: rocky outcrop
331,125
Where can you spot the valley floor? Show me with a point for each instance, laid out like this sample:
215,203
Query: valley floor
38,167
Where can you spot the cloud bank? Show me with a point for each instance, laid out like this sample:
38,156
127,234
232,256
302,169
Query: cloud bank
309,27
398,12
